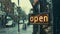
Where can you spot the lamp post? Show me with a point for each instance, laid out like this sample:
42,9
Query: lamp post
18,21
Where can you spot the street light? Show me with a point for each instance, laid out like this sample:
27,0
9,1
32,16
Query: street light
18,22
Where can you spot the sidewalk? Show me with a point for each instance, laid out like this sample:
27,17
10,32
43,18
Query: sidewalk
12,30
29,30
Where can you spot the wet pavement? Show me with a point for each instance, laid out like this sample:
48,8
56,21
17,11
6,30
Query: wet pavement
14,30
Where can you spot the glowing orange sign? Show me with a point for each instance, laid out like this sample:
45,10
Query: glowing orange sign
43,18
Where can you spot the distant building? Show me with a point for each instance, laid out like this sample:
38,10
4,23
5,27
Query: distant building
7,8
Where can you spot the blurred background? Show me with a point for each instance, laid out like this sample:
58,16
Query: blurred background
14,16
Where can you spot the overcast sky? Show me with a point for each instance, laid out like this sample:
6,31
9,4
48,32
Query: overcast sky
24,4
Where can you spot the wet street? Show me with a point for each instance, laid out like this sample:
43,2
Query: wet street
14,30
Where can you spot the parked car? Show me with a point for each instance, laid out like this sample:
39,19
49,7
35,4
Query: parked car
10,22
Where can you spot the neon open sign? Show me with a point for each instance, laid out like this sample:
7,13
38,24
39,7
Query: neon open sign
39,19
